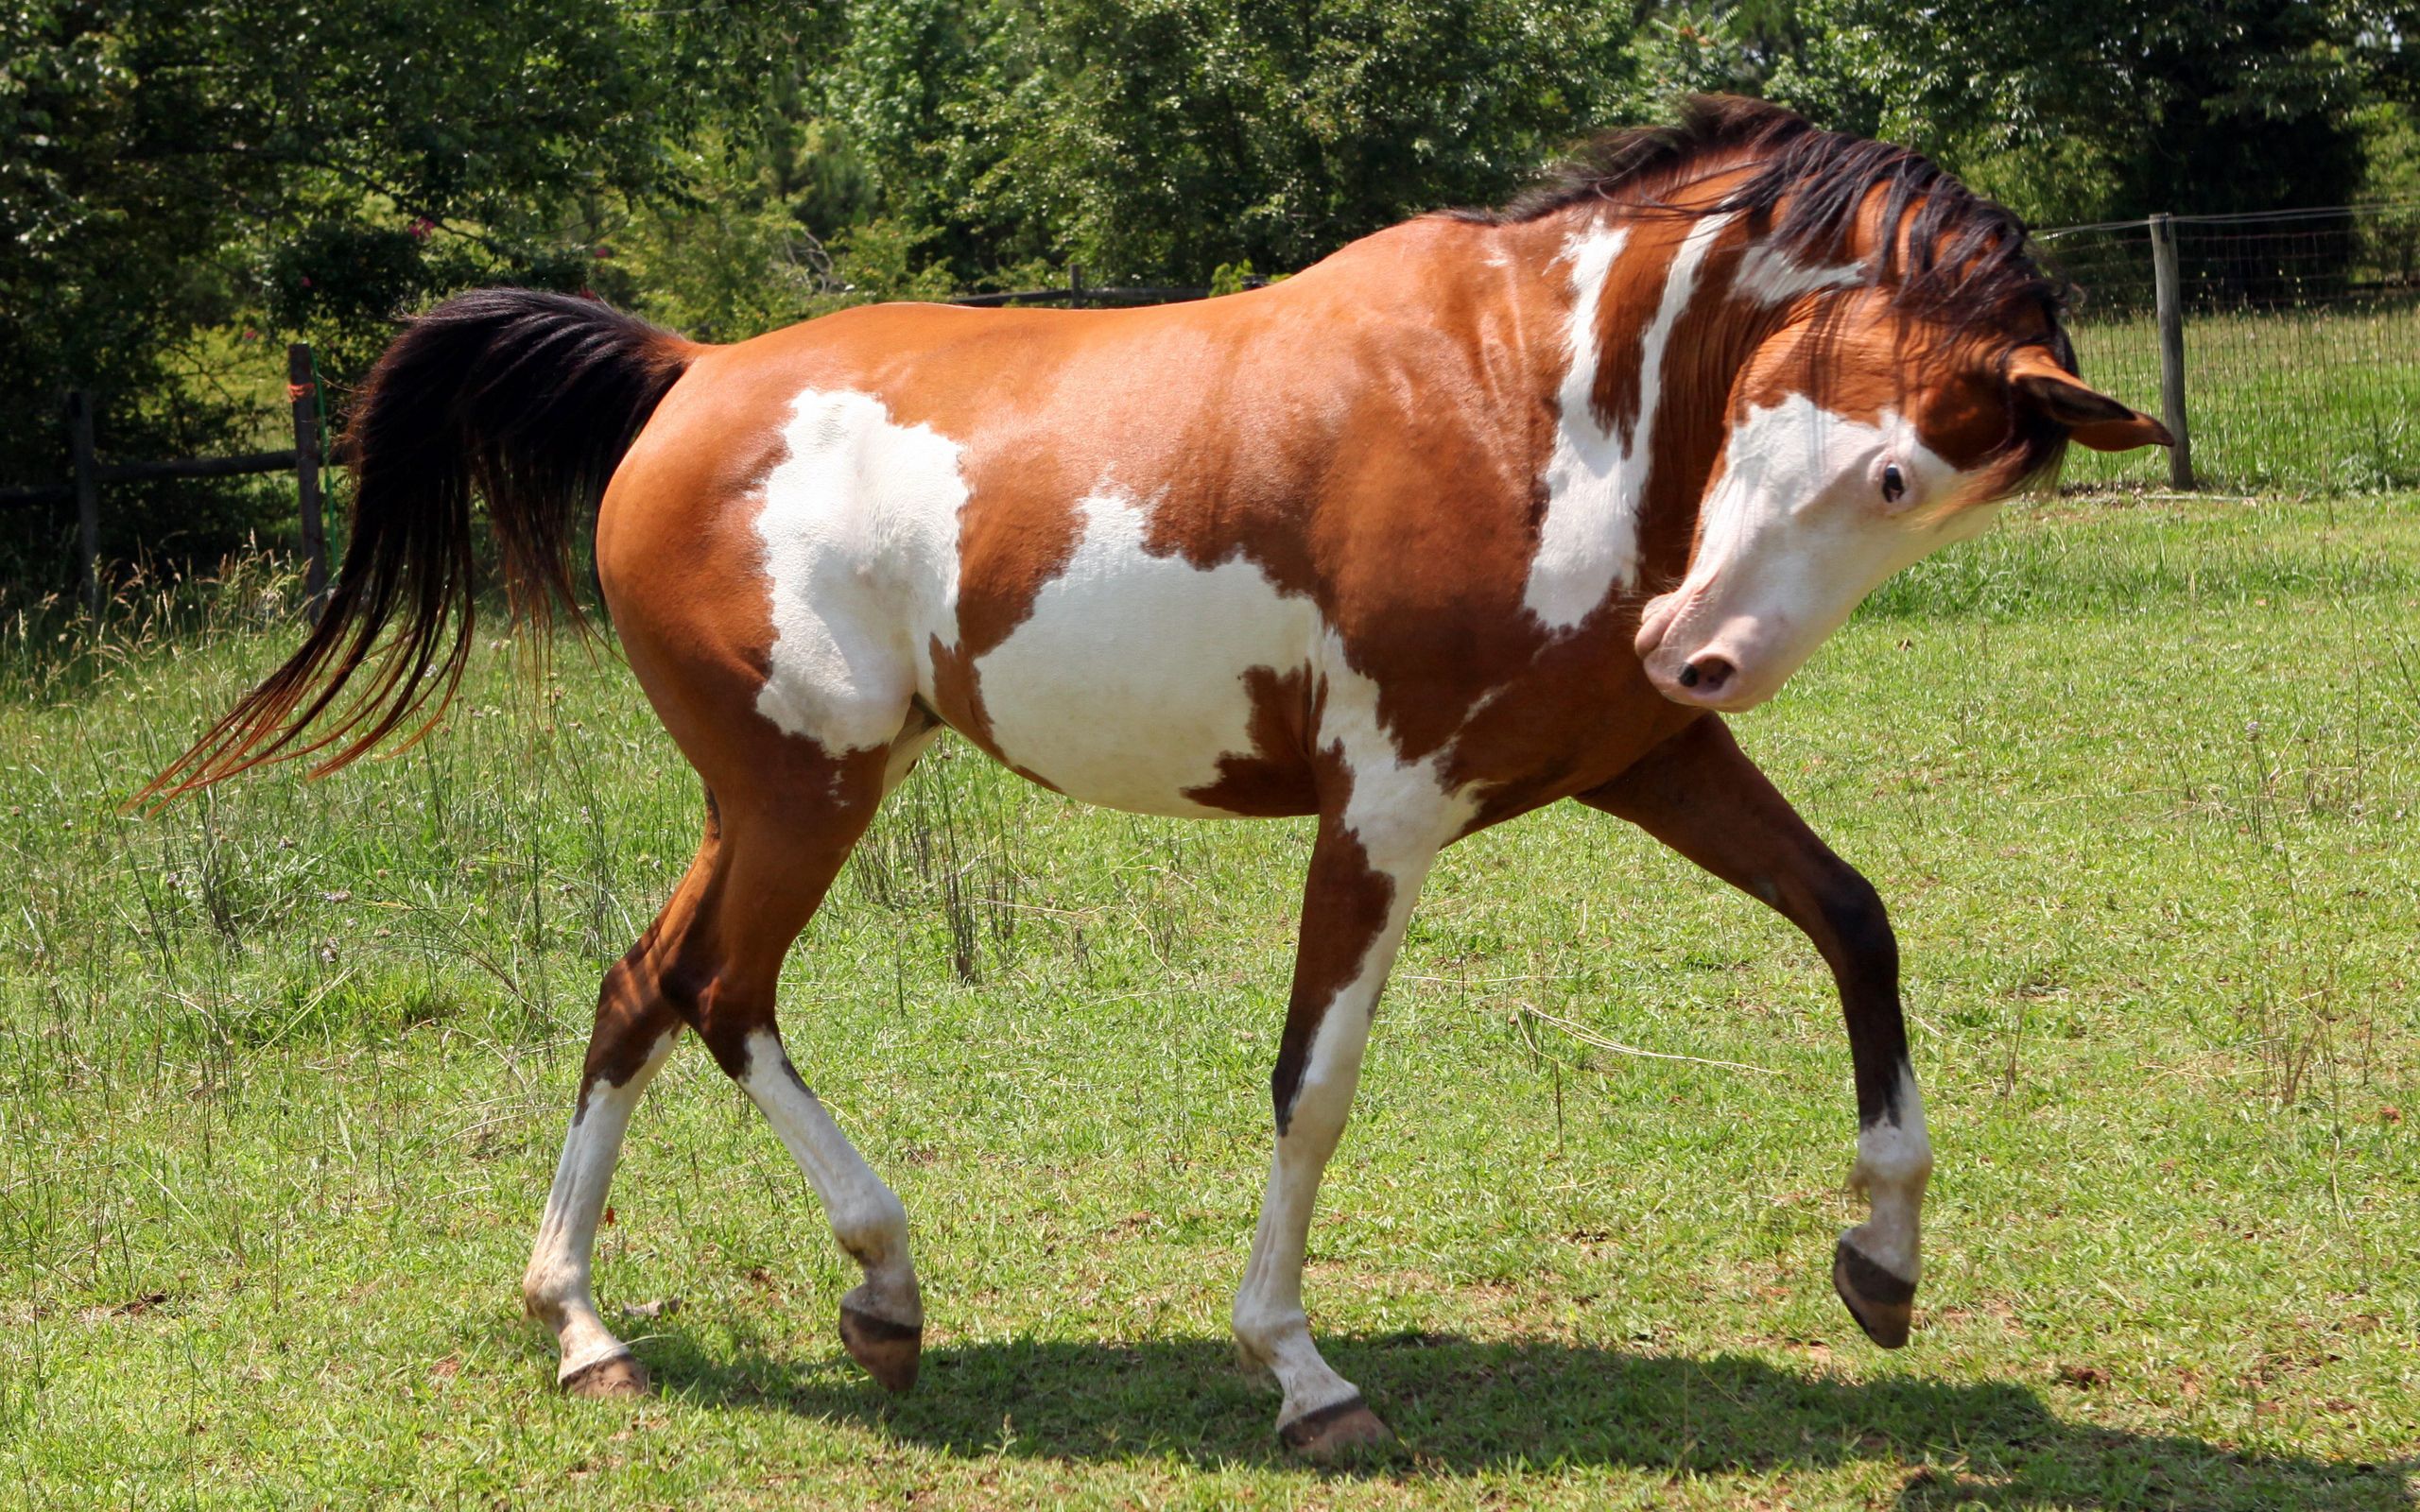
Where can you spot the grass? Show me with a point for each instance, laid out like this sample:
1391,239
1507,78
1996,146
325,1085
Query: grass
2320,398
285,1070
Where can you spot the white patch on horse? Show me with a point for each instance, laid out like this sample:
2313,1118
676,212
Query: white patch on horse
860,525
1595,481
1125,683
1402,812
1894,1162
1769,275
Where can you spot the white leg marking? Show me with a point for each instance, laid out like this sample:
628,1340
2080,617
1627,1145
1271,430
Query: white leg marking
1270,1323
1402,815
866,1216
1595,479
556,1285
1894,1162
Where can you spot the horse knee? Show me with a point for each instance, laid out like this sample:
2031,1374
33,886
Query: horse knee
1852,913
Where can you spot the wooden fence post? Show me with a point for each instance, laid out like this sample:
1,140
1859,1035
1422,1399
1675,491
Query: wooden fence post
88,497
1075,285
302,387
2169,295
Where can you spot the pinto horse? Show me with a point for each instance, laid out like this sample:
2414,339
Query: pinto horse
1487,510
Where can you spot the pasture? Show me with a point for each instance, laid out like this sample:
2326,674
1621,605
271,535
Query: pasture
2318,397
286,1068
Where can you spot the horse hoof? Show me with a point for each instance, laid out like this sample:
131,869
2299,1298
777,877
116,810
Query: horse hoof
1335,1430
1882,1303
889,1351
617,1374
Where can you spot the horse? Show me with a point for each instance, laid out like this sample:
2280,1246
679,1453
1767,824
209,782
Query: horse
1488,511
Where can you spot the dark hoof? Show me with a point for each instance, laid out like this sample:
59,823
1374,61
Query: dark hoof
1335,1430
1883,1304
889,1351
617,1374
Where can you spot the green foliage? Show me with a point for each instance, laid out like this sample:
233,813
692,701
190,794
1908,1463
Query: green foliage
176,167
1155,141
2078,109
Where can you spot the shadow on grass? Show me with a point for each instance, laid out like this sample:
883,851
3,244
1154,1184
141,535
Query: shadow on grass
1460,1406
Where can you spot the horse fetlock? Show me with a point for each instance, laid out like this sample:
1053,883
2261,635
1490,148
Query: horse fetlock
890,1295
873,1226
547,1289
1261,1336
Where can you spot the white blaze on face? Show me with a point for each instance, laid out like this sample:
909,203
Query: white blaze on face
1794,533
1595,480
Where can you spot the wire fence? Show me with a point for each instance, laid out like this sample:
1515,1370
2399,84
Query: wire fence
2301,333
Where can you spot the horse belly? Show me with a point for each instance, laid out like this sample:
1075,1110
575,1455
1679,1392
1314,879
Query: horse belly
1136,674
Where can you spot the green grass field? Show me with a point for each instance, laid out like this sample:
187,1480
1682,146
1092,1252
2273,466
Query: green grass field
284,1071
2322,398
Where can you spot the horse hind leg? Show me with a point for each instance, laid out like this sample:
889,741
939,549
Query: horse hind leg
780,854
634,1030
712,962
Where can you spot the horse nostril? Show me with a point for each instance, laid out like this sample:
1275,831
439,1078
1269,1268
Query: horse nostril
1709,672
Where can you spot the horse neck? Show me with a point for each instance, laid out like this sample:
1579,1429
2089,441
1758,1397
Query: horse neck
1648,338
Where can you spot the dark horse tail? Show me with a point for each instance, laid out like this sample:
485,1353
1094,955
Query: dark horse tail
525,399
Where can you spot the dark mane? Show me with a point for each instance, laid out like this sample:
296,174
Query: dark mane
1947,252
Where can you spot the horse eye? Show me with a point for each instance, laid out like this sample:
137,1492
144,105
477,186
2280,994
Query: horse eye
1894,484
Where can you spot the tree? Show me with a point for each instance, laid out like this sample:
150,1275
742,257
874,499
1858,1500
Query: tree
176,168
1158,140
2084,110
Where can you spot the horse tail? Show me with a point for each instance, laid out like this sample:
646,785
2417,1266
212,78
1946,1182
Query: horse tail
529,400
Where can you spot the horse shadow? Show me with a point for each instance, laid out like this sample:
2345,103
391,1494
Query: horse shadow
1461,1407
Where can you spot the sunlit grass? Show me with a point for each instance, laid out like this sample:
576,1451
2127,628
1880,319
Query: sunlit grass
282,1074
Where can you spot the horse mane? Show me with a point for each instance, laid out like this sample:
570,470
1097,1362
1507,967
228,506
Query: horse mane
1946,251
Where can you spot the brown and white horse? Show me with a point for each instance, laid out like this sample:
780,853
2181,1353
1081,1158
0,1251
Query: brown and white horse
1485,511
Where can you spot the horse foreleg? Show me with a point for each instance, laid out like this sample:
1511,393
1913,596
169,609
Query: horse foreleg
1699,794
1355,907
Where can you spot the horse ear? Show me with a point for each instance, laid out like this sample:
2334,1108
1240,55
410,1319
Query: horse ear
2090,417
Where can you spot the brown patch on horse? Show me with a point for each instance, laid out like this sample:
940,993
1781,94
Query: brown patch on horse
1635,281
1351,901
1274,779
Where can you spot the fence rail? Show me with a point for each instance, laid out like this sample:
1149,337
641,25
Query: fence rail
87,472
